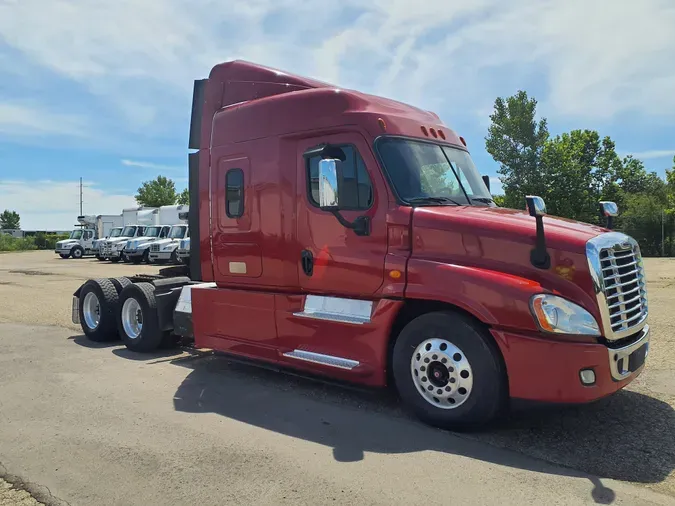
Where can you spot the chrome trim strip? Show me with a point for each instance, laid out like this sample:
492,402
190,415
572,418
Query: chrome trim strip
619,357
336,309
593,249
318,358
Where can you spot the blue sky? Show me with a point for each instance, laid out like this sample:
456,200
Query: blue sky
102,90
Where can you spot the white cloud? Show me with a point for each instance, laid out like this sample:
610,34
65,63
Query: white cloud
594,59
55,204
654,153
149,165
23,120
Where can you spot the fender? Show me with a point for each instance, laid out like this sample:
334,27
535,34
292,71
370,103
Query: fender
497,299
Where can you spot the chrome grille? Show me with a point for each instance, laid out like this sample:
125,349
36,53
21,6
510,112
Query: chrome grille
154,248
620,284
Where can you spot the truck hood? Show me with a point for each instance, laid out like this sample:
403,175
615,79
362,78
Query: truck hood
115,240
66,242
501,239
142,240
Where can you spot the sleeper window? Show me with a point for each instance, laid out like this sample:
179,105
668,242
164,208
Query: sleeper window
234,187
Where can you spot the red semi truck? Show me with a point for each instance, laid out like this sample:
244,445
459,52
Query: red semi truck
351,236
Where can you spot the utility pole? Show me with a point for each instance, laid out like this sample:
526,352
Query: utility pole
80,196
663,243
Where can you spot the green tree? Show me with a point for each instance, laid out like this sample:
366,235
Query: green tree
157,192
10,220
516,140
184,197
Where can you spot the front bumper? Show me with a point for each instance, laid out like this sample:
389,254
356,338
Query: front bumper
63,251
550,371
135,253
160,255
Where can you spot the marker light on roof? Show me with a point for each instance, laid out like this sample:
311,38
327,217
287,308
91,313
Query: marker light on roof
433,132
441,133
424,131
382,124
463,141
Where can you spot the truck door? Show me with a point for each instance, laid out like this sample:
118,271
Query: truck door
332,259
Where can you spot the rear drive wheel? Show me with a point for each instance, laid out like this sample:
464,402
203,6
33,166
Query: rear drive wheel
448,372
120,283
64,255
77,252
138,321
99,304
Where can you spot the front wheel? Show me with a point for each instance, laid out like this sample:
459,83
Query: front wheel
449,372
114,259
77,252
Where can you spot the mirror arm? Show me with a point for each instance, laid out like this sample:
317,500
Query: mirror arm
539,255
360,226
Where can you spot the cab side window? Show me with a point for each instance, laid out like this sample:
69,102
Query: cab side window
354,187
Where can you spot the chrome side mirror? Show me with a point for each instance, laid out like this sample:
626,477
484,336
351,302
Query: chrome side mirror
608,208
328,184
535,205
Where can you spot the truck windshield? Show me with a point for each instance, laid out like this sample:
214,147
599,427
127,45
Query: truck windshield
425,173
115,232
128,232
177,232
152,231
76,234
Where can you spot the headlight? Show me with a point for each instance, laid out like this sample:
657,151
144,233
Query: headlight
560,316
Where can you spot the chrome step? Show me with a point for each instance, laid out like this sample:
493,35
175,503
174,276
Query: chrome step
318,358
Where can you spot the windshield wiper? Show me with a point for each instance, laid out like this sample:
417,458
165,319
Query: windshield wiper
433,200
487,200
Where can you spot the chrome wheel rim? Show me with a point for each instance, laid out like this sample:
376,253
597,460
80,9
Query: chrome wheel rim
77,253
441,373
132,318
91,310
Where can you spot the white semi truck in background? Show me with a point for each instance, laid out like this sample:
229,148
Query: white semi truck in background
165,250
138,250
135,220
81,240
183,250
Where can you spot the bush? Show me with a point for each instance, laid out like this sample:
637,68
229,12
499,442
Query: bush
9,243
48,241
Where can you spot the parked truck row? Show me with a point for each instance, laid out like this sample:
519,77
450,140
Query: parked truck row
130,236
347,235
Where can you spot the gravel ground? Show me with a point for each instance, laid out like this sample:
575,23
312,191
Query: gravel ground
627,437
12,496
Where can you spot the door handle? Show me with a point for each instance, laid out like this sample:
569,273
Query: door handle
307,260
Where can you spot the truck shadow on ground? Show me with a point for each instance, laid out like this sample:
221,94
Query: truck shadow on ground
626,437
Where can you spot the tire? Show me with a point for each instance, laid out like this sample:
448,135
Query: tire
124,258
136,260
144,337
108,306
64,255
115,259
146,256
100,259
466,361
77,252
174,258
120,283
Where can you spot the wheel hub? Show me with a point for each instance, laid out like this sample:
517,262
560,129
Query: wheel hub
132,318
441,373
91,310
